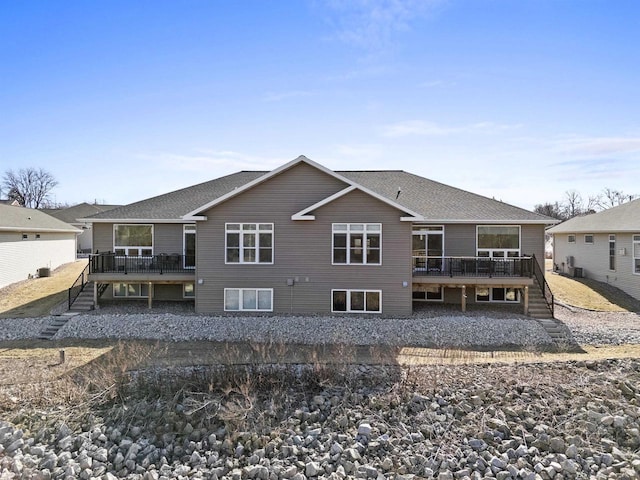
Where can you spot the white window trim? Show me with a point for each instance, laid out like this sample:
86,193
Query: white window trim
593,238
113,290
241,247
184,294
126,248
430,300
364,243
240,294
635,245
505,250
569,238
491,300
427,256
349,292
612,239
191,229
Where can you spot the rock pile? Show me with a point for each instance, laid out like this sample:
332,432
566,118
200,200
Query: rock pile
537,422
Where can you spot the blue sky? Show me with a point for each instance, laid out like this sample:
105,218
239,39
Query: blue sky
517,100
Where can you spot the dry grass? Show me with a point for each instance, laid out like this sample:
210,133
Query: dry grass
36,297
589,294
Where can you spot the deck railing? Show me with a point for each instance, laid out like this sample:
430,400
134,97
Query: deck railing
472,266
160,264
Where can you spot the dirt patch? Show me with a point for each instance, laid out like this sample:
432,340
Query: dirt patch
36,297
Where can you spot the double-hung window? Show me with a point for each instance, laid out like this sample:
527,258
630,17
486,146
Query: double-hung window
133,240
636,254
356,301
249,242
357,243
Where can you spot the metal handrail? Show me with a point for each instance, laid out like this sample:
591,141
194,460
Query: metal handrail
544,286
76,288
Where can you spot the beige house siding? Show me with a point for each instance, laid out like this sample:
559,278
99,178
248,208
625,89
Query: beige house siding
20,258
594,259
302,249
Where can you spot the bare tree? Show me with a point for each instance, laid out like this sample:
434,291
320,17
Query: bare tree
553,210
612,198
29,186
573,204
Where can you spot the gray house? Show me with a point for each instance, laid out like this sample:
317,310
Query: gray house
604,246
304,239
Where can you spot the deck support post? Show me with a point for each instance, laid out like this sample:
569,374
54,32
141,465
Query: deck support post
95,295
463,298
526,300
150,294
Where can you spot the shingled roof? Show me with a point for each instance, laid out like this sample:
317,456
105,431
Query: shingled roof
173,205
435,201
439,202
71,214
23,219
623,218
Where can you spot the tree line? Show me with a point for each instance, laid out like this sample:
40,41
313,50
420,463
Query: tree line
574,204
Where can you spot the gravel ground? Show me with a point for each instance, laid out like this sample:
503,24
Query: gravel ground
430,326
600,328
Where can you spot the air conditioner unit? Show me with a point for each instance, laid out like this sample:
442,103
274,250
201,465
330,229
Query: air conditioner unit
622,252
570,261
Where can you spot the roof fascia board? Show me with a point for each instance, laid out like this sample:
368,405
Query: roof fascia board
303,214
596,230
249,185
38,229
491,221
287,166
140,220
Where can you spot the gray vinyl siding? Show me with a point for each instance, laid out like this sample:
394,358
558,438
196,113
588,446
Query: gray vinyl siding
102,237
459,240
532,242
303,249
594,259
167,238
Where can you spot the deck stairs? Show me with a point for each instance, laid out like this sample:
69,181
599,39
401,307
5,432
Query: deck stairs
84,301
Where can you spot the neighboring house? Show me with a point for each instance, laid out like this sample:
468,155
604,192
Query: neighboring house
30,240
11,202
71,215
604,246
304,239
